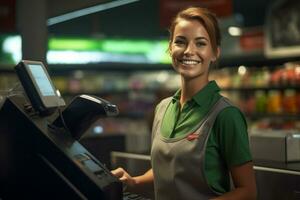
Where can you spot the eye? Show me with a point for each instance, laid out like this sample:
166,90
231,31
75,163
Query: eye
200,44
179,42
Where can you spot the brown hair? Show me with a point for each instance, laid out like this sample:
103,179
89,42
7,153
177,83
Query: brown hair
206,18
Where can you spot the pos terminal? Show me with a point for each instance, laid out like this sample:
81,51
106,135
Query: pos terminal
40,162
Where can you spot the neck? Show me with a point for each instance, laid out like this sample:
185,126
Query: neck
190,87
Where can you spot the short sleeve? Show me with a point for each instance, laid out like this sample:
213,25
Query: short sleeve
232,136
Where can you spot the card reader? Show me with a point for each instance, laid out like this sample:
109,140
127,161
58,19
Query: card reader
82,112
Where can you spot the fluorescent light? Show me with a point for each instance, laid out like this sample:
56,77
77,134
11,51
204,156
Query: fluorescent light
91,50
13,46
73,57
85,57
87,11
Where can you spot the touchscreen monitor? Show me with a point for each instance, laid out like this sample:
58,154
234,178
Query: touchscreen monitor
38,86
41,79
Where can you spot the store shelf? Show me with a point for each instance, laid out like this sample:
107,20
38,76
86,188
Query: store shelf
7,70
255,59
252,89
113,67
153,90
283,116
137,88
116,92
132,115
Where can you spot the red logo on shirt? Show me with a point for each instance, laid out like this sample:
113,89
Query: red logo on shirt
192,136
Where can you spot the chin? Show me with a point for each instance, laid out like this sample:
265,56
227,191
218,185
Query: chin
186,75
190,76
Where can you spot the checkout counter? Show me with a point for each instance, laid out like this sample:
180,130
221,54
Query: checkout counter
276,156
278,181
275,180
40,156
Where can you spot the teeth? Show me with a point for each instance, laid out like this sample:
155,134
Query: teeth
190,62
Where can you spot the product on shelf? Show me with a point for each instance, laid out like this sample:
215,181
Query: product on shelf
288,74
260,101
249,105
274,102
298,101
289,102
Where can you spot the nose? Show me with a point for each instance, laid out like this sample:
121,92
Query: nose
190,49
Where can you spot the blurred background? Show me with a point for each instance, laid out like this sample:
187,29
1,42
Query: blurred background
117,50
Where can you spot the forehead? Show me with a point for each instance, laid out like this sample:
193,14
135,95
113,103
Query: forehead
192,28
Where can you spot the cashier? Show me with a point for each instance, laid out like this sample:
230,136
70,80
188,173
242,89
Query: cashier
199,139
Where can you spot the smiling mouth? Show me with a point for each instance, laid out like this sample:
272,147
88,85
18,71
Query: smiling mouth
189,62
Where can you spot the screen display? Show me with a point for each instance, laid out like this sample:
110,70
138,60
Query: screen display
41,80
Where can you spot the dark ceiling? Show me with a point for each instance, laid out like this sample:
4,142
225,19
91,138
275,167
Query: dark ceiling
138,20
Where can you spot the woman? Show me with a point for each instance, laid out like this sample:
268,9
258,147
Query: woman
200,140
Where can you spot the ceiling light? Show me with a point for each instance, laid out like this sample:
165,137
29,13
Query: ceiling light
234,31
87,11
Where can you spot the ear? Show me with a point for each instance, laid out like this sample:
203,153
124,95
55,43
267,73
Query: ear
217,54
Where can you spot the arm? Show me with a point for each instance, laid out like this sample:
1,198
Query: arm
244,181
235,150
139,184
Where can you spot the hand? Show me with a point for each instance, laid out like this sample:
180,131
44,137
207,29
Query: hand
124,177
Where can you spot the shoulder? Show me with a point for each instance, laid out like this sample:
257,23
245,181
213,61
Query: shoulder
165,100
163,104
230,114
230,120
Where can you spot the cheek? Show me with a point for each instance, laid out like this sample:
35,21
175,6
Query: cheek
174,60
174,56
175,52
175,63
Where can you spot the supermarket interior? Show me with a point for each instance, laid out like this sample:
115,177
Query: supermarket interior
118,50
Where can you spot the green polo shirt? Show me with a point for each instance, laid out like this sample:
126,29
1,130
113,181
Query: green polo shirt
228,143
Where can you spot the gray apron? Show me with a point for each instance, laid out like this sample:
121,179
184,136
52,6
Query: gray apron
178,163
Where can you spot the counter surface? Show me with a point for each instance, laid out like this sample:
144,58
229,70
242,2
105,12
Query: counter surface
292,167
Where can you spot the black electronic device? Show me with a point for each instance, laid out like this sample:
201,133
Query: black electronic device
39,163
38,86
82,112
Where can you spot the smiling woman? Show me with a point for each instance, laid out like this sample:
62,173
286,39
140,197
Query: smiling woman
191,51
199,139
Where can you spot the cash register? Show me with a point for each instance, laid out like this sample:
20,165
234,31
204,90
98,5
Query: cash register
40,156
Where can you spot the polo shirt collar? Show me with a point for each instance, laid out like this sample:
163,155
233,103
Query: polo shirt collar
202,96
206,93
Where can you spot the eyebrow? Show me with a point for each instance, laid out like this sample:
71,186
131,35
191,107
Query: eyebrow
201,38
197,38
